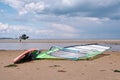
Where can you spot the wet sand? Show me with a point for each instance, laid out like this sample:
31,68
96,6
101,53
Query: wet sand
58,41
100,68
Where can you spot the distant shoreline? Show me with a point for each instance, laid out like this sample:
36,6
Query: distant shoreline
58,41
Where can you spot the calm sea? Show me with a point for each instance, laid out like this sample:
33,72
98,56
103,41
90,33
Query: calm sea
25,46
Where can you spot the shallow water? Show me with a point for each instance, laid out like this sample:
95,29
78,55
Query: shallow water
24,46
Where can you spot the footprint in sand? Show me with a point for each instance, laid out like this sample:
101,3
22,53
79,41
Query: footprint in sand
61,71
58,66
55,66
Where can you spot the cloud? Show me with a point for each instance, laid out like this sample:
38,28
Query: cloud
5,28
68,2
96,20
61,18
54,31
63,31
1,11
17,4
63,27
83,8
32,7
24,7
57,31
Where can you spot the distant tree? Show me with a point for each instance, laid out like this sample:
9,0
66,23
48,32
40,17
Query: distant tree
23,37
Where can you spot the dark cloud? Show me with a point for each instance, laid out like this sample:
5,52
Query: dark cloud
110,11
86,9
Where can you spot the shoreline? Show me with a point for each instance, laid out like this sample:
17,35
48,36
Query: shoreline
58,41
14,44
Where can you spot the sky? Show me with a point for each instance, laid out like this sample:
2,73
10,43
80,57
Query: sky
60,19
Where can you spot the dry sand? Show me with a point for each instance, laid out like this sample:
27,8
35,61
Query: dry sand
100,68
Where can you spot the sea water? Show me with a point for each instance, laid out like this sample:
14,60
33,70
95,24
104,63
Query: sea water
25,46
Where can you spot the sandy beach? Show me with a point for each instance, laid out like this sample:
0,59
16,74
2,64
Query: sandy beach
103,67
100,68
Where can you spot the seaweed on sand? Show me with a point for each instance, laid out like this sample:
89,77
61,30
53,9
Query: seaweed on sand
117,71
11,65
